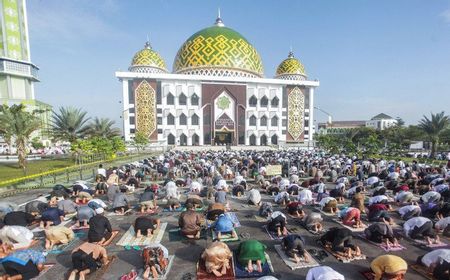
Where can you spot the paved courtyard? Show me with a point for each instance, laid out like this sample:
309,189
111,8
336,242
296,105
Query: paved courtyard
188,252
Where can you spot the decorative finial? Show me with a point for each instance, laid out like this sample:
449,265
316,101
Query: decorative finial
291,53
147,43
219,21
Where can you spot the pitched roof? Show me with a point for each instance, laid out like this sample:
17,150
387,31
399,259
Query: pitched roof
381,116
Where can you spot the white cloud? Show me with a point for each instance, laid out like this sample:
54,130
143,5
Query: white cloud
72,21
445,15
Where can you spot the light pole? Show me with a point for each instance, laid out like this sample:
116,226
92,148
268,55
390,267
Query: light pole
325,112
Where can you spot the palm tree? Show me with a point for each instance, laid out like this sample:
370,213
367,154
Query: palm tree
69,124
433,128
103,127
18,124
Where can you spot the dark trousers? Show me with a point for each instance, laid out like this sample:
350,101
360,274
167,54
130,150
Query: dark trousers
425,230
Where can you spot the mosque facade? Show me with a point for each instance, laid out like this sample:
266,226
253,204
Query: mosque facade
217,94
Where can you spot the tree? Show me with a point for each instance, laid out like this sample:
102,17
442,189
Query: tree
433,128
98,146
18,124
69,124
103,127
140,141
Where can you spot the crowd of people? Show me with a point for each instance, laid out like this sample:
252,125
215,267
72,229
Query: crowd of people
367,196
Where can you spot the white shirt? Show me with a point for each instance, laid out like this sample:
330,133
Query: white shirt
305,196
414,222
405,209
401,195
280,196
254,196
436,256
323,273
99,202
343,180
196,186
426,197
276,214
101,171
17,235
394,175
284,184
377,198
325,201
442,223
372,180
238,179
171,190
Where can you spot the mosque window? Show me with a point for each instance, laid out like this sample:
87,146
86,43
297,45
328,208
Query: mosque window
132,130
170,139
263,121
284,122
252,101
252,121
131,110
182,99
159,120
264,101
160,131
170,119
275,101
170,99
132,120
183,119
194,119
274,121
194,99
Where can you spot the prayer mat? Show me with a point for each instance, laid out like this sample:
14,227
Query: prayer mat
225,237
129,238
241,271
422,242
70,216
47,267
342,259
273,235
176,235
98,274
74,227
203,275
422,270
329,214
368,274
58,249
161,277
383,245
151,212
294,265
179,209
310,231
33,242
108,242
349,227
233,217
128,212
260,219
242,197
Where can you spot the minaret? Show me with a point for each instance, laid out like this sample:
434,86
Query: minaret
17,73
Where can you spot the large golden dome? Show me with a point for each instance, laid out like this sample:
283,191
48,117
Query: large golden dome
218,51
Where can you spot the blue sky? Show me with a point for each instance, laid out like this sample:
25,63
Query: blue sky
370,56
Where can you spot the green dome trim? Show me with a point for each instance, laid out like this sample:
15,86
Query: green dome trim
218,47
148,58
290,66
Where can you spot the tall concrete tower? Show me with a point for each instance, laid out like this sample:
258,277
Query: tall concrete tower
17,73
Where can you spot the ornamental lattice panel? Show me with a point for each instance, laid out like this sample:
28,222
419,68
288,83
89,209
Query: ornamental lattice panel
296,108
145,109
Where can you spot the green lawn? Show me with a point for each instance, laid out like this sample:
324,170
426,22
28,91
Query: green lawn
11,170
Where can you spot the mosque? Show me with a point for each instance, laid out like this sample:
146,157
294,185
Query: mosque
217,94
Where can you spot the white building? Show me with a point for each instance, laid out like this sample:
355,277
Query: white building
217,94
381,121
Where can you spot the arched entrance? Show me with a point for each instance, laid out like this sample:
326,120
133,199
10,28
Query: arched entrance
263,140
274,139
195,140
252,140
170,139
183,140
